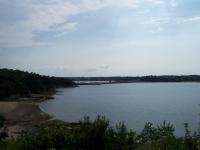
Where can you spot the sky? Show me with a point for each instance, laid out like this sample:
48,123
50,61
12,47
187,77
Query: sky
101,37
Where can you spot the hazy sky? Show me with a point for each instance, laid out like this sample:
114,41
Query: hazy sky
100,37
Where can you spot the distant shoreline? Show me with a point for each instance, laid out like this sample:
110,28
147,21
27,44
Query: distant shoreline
101,83
137,79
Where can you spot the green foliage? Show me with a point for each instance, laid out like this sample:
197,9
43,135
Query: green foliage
119,138
54,136
152,134
98,135
24,83
10,145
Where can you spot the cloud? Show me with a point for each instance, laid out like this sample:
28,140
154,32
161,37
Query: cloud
13,37
92,70
98,69
54,16
65,29
49,16
157,21
190,19
104,67
173,3
156,1
157,24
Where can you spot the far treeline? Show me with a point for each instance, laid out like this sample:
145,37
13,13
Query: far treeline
164,78
16,82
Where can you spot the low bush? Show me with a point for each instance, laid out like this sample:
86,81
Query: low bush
99,135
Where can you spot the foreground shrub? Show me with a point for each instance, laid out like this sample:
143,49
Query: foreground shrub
99,135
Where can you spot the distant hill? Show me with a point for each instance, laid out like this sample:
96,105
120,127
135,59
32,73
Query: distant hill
164,78
24,83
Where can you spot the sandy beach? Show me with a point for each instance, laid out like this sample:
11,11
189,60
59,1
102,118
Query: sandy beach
21,116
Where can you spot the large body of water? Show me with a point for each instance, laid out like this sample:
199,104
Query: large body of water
133,103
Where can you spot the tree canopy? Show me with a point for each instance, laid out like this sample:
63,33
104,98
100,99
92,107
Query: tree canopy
24,83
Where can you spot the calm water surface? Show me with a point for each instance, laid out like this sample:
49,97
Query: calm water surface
133,103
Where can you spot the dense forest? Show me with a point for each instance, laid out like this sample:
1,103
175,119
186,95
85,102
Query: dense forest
16,82
164,78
